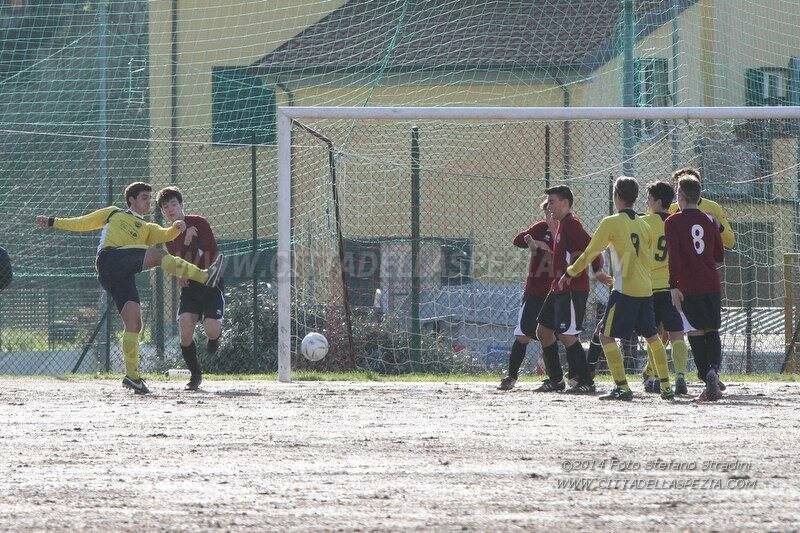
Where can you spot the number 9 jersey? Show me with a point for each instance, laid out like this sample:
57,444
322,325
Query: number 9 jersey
660,268
631,247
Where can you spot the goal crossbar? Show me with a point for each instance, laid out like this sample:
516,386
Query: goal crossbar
542,113
286,115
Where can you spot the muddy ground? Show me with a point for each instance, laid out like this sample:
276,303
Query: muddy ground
86,454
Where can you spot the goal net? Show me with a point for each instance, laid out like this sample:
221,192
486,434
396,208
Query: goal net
96,94
400,223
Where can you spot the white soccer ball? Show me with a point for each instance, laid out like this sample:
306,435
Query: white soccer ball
314,346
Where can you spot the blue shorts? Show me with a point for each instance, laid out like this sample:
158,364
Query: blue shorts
628,315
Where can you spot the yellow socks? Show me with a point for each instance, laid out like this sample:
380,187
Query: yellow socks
660,360
680,354
130,351
175,266
616,365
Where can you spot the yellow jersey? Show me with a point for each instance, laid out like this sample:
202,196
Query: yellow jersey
121,229
630,243
659,274
712,208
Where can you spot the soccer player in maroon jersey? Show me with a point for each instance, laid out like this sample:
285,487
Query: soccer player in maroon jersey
564,307
198,246
539,240
695,251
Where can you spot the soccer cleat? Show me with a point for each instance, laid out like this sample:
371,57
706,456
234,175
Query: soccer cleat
194,382
618,394
136,385
507,383
582,388
720,385
712,386
668,394
680,386
215,271
548,385
652,385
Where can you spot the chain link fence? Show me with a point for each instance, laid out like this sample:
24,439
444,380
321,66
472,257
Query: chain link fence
53,316
453,209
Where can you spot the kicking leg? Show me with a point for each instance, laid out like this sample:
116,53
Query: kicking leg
174,266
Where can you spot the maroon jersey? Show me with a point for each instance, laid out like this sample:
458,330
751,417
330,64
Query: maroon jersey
202,249
540,265
695,248
570,242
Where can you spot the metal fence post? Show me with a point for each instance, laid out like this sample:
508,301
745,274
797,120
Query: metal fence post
254,261
416,333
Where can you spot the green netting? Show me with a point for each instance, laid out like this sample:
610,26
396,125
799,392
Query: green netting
96,94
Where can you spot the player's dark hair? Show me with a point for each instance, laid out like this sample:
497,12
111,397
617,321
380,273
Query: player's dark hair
626,189
690,187
562,191
168,193
686,171
663,192
133,190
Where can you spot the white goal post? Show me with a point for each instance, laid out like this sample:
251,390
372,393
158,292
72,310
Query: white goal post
287,115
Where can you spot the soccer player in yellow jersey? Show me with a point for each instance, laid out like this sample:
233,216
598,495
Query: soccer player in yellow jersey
127,247
630,306
659,196
708,207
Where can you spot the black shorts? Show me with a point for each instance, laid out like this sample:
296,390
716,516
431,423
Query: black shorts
665,312
626,315
702,311
564,312
116,271
528,316
201,300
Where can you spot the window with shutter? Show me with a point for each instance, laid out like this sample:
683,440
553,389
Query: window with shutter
767,86
651,89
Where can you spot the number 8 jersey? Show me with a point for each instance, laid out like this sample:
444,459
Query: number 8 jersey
695,248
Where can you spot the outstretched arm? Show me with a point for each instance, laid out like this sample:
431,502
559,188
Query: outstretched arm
90,222
158,235
597,244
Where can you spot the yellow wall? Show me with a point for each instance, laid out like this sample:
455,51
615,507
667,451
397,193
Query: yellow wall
752,34
482,184
216,33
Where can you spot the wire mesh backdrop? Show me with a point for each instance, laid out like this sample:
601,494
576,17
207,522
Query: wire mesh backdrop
53,315
449,197
97,94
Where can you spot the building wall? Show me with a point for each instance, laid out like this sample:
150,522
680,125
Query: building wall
216,33
481,183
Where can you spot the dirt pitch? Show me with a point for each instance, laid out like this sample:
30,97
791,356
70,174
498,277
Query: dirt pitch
80,455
